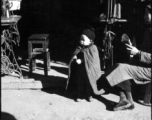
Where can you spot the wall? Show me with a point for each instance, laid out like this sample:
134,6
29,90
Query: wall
62,19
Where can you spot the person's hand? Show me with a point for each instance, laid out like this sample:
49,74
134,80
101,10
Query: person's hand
132,50
129,42
79,61
75,57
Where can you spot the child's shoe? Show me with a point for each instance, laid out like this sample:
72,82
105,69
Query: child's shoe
90,99
79,100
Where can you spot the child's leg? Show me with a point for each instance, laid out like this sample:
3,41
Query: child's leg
89,91
80,88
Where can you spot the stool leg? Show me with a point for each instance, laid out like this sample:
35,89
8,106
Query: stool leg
32,61
45,64
33,64
30,57
48,61
30,66
147,98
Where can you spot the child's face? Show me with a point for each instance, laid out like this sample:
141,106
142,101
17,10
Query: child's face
84,40
147,17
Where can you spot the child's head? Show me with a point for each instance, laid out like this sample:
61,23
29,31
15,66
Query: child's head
87,37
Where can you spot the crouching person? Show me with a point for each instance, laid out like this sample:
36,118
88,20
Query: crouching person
119,77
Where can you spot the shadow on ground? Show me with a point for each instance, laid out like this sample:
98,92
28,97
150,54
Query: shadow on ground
70,95
47,82
7,116
57,76
108,103
56,85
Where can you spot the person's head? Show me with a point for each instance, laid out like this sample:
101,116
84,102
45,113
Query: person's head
147,15
87,37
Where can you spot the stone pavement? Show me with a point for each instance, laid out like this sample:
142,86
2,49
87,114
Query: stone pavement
56,77
44,98
55,105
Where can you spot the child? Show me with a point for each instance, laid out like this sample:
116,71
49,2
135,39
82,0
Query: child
84,68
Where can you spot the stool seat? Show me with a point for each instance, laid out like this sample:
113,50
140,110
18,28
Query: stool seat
36,39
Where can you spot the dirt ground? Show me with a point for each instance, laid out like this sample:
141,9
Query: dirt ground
53,104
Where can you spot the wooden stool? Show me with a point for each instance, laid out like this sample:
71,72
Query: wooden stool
43,40
147,97
145,91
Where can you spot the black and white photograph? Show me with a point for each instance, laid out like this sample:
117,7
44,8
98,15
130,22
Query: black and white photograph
76,60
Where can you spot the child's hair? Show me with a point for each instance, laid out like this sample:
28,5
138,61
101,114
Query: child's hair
89,33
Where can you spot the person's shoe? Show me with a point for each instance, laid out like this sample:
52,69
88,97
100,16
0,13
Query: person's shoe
131,107
79,100
90,99
123,105
143,103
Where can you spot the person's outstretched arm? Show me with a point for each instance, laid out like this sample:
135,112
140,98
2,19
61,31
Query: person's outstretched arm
142,56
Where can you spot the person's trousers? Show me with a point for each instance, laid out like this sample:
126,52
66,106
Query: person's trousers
125,85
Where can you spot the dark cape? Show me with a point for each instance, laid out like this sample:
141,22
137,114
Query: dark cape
92,67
